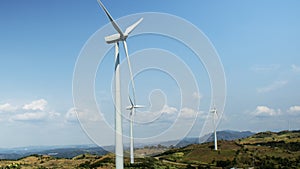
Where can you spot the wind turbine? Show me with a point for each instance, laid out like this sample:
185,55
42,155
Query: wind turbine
116,38
132,108
215,115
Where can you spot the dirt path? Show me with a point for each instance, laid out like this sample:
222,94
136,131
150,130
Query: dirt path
175,163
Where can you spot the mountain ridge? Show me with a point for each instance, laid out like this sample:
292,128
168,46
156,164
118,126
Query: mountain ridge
69,151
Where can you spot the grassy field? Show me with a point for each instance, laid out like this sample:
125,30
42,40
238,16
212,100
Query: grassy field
264,137
42,162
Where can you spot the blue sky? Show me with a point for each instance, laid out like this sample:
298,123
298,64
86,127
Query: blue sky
257,41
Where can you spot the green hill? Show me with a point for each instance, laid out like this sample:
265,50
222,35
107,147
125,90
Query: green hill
262,150
263,137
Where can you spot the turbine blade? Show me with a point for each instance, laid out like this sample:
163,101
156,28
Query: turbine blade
132,105
130,71
132,27
131,112
139,106
115,25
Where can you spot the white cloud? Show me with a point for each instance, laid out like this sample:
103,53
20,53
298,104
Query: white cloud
36,116
265,111
188,113
7,107
167,113
53,115
168,110
294,109
34,111
295,68
71,115
74,115
197,95
36,105
265,68
274,86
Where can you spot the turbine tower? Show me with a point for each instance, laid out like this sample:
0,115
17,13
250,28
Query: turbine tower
215,115
132,108
116,38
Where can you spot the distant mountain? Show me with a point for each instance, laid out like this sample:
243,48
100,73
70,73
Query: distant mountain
55,151
230,135
72,151
227,135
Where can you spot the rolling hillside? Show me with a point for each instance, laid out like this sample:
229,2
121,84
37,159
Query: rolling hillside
262,150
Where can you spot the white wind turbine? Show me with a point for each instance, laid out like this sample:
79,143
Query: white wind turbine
132,108
215,115
116,38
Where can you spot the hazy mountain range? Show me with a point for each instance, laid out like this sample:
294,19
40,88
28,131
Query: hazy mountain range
75,150
221,135
55,151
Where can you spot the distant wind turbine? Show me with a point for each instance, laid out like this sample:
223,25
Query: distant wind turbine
215,115
132,108
115,38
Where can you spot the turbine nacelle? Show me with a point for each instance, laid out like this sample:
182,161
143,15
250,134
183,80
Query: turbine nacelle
113,38
214,111
122,36
133,106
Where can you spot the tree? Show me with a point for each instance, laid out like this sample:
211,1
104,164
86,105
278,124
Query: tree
189,166
223,164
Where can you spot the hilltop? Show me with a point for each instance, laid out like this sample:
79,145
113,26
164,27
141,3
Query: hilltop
261,150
